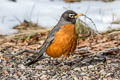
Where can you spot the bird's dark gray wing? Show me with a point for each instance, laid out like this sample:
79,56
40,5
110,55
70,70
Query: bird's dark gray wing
45,45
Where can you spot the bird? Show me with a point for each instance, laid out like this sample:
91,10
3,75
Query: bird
62,39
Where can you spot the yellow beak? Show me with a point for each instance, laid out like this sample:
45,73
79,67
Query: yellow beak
78,15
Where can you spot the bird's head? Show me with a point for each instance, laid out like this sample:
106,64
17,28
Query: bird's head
70,16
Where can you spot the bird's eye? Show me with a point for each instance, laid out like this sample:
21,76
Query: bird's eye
71,15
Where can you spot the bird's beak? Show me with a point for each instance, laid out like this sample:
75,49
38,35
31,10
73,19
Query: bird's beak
78,15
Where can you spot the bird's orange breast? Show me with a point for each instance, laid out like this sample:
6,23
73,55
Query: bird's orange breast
64,43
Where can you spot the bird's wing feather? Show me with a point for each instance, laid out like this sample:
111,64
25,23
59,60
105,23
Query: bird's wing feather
45,45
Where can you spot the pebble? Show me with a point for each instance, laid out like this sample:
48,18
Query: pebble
77,69
104,78
5,72
109,74
39,67
43,77
75,77
86,78
90,66
43,70
84,68
19,73
51,73
21,66
102,72
83,73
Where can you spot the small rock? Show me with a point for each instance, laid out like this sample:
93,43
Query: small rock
51,73
84,68
21,66
77,69
86,78
39,67
91,67
43,77
109,74
83,73
19,73
74,77
104,78
109,61
5,72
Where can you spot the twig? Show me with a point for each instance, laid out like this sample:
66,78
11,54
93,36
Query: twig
92,22
25,50
32,10
88,8
109,50
30,51
100,53
86,49
37,19
18,19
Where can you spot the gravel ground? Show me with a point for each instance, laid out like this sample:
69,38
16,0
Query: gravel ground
75,67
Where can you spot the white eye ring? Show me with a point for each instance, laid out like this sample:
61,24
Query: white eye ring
71,15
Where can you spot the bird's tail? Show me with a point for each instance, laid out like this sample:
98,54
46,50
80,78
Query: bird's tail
41,51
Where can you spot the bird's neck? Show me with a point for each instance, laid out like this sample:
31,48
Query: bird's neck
62,21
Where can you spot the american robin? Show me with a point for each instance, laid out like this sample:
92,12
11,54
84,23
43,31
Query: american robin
62,39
